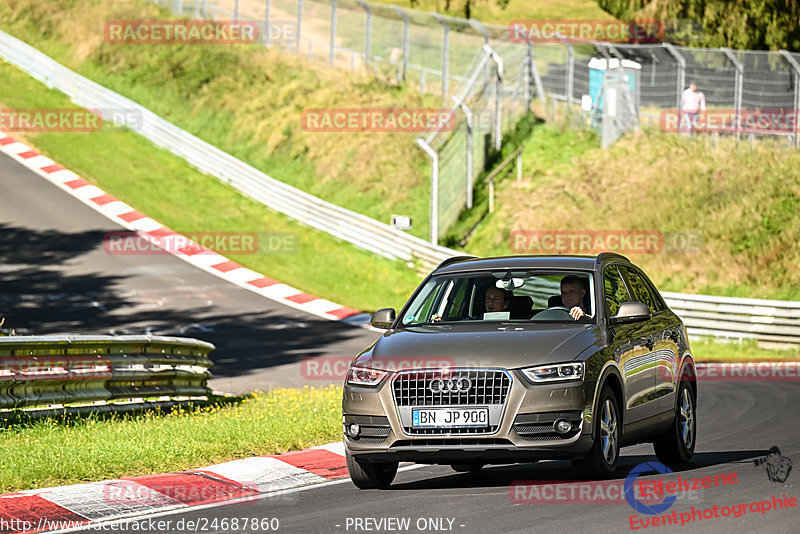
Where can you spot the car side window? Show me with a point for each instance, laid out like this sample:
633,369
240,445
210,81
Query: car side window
640,289
614,289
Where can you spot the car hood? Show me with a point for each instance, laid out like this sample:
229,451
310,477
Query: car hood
505,345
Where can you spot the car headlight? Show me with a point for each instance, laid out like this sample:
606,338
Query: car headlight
554,373
361,376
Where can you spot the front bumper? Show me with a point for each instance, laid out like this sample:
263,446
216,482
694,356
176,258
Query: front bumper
524,431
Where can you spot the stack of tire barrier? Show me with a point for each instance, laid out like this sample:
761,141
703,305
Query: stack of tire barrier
99,373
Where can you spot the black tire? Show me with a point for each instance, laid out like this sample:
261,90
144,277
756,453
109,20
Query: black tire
601,460
676,446
366,475
467,468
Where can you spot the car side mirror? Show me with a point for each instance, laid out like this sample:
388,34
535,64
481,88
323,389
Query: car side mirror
631,312
383,318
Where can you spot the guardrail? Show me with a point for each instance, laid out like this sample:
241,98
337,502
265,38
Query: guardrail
85,372
772,321
352,227
769,321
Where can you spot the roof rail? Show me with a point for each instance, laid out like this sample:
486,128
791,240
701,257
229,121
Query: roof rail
604,255
454,259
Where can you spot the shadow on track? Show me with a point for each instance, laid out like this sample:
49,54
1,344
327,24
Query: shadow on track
561,471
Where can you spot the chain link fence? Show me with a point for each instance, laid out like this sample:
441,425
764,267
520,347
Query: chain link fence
489,79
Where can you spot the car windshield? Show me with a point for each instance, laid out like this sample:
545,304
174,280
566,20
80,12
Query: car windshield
527,296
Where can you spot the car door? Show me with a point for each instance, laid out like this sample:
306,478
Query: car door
667,331
632,349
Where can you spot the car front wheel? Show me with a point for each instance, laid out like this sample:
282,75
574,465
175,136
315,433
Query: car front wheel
676,446
601,461
366,475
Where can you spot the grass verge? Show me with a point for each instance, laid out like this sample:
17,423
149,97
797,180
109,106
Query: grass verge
165,187
246,100
51,452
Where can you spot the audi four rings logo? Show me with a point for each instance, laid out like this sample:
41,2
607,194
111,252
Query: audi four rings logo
455,385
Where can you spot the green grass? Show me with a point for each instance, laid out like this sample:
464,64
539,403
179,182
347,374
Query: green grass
80,449
741,351
744,201
165,187
247,101
490,11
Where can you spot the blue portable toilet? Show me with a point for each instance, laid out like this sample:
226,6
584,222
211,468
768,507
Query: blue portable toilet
598,68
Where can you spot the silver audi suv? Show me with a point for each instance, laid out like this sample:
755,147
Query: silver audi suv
518,359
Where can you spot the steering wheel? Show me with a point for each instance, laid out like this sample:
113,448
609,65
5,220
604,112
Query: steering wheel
554,313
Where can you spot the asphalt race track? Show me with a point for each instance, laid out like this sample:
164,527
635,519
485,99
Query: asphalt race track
737,423
58,279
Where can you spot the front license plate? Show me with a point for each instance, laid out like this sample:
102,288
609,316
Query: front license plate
449,417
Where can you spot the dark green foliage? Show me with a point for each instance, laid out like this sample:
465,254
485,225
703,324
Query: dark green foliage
743,24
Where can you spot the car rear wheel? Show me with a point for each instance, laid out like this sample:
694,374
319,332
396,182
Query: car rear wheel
601,461
366,475
676,446
467,468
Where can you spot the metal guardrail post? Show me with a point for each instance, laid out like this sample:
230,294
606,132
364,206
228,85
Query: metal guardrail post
570,72
681,75
434,188
737,91
406,23
367,32
796,100
332,58
267,6
299,26
445,53
468,114
498,100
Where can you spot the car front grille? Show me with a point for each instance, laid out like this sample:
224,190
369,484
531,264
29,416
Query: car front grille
488,387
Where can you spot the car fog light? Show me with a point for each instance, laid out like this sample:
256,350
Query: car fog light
353,430
562,426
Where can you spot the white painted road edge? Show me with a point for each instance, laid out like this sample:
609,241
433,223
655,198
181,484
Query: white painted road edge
154,232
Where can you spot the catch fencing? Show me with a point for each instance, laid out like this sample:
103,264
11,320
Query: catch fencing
85,373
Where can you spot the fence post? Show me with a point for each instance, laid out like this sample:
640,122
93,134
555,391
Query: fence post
299,26
498,99
570,72
236,11
737,91
445,54
333,31
434,188
681,75
177,7
205,9
405,41
266,21
796,67
468,114
368,31
480,28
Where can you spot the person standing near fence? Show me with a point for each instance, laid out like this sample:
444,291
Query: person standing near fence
693,103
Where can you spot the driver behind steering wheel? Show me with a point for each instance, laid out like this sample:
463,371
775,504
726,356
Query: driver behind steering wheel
572,293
